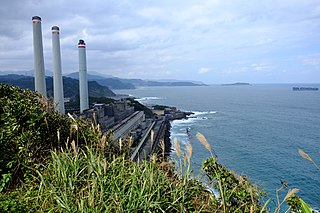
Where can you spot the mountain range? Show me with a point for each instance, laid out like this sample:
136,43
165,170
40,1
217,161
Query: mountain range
122,83
114,82
70,86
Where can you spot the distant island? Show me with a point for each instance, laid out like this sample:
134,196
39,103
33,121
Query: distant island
236,84
305,88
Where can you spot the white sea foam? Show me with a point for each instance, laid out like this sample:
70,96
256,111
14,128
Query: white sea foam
212,190
198,113
197,116
148,98
179,134
183,122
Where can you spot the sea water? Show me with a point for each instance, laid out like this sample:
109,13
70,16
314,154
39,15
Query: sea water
255,130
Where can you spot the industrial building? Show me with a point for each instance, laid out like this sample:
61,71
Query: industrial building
119,117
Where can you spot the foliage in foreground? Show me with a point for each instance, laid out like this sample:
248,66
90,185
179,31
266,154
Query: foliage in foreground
29,129
54,163
82,180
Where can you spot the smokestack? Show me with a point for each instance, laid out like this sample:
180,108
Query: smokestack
83,83
57,72
39,72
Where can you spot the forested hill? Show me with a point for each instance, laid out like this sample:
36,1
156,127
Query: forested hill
70,85
122,83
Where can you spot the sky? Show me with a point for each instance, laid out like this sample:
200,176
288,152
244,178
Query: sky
213,41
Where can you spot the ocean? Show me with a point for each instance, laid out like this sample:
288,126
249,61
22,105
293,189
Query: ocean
255,130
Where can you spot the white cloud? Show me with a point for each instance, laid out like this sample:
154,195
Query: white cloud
203,70
261,67
151,12
311,60
236,70
125,37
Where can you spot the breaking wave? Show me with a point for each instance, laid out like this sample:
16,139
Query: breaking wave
198,113
148,98
196,116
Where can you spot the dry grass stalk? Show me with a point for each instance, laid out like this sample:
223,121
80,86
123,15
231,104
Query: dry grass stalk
304,155
94,118
162,145
291,192
152,136
102,142
73,146
74,126
153,158
58,136
104,165
177,147
251,195
46,121
72,118
184,159
96,128
239,178
120,144
130,142
189,152
204,141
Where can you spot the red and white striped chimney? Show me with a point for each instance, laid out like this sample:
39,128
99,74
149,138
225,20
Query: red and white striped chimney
83,83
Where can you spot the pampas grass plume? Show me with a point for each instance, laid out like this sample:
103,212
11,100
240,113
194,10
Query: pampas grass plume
177,147
304,155
189,152
204,141
291,192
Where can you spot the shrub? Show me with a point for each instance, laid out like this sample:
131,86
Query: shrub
236,193
29,129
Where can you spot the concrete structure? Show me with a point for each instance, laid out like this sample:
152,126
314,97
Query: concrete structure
39,71
98,114
107,115
83,83
121,110
123,129
137,152
57,72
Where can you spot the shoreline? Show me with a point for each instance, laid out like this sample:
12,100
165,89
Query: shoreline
169,114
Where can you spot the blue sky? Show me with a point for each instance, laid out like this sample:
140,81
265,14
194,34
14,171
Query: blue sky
214,41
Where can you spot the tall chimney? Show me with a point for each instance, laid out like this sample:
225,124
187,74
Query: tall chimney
57,72
83,83
39,72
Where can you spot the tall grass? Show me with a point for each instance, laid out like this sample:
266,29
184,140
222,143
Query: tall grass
236,193
83,181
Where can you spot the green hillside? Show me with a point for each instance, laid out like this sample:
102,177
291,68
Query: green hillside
70,86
